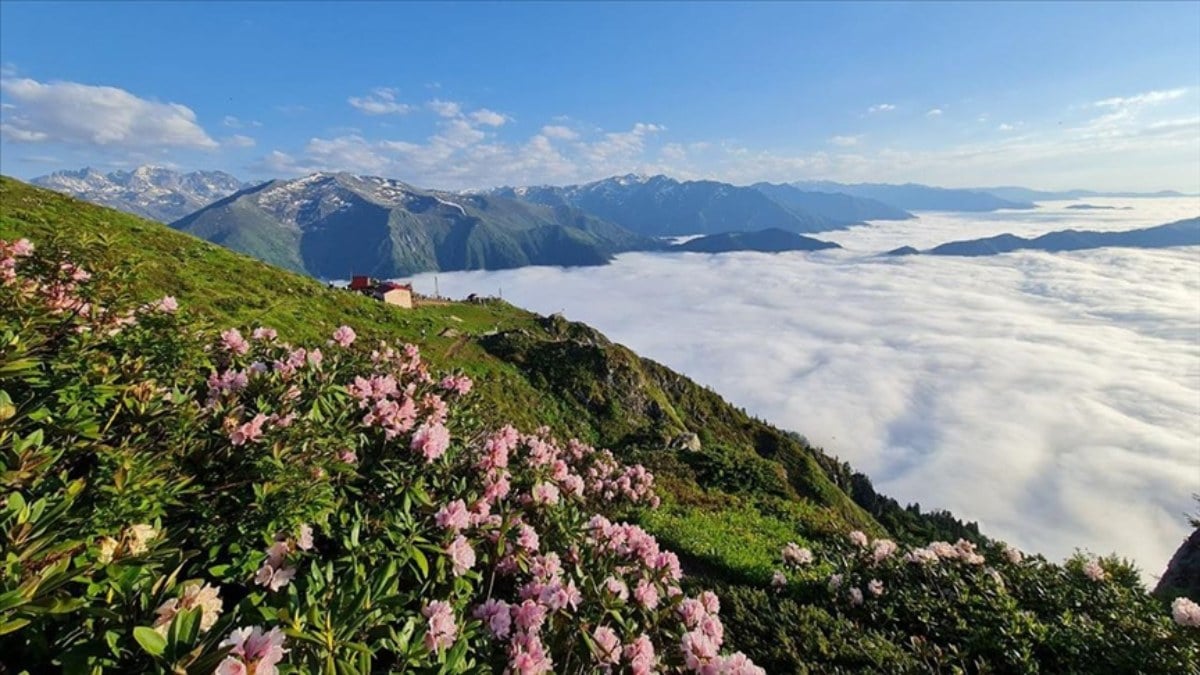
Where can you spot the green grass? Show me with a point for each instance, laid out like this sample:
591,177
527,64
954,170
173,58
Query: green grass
535,371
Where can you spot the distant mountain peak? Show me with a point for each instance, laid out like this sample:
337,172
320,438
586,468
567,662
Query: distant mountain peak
150,191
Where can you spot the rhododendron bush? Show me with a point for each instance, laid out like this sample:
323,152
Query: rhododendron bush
180,498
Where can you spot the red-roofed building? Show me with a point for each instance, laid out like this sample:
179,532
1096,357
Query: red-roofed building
361,283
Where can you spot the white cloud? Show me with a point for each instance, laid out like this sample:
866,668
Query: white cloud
559,132
381,101
235,123
489,118
81,114
1054,398
846,141
445,108
935,112
1005,127
238,141
880,107
1143,99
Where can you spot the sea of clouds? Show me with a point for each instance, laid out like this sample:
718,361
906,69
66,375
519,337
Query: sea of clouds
1054,398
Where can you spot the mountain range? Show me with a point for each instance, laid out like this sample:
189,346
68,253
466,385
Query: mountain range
763,241
913,197
1179,233
336,225
152,192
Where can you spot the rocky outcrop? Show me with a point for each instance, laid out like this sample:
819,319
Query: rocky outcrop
1183,572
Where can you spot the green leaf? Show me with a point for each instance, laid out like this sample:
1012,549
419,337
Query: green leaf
421,560
150,640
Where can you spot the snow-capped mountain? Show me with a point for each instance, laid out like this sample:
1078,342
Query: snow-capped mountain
149,191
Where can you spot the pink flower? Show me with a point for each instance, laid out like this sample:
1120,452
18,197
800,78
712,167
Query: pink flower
858,538
738,664
348,456
460,384
496,615
794,555
617,588
233,342
646,594
165,304
21,248
545,493
304,542
453,516
698,650
264,334
921,556
274,578
856,597
462,556
884,548
431,441
608,646
527,538
712,604
529,616
835,582
249,432
640,655
1013,555
778,580
344,336
691,611
442,627
1093,571
1185,612
253,651
875,587
527,656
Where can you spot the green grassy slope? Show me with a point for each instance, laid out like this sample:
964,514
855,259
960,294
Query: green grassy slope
749,490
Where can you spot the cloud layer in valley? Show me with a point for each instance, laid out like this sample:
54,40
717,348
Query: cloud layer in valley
1053,397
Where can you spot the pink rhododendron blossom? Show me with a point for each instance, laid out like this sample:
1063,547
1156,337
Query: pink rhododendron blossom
875,587
529,616
698,650
431,441
778,580
882,550
166,305
459,384
856,597
835,582
344,336
921,556
527,656
348,456
646,594
640,656
253,651
462,556
249,432
1094,571
442,628
1185,612
206,597
264,334
497,616
545,494
304,542
617,588
453,516
858,538
274,578
794,555
712,604
943,550
1013,555
527,538
234,343
608,646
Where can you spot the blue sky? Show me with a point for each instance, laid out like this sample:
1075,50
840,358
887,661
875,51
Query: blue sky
1104,96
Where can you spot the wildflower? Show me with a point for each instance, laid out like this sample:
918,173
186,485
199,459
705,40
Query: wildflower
344,336
348,456
920,556
778,580
544,493
249,432
166,304
139,538
274,577
442,627
856,597
264,334
453,516
608,646
304,542
527,656
739,664
527,538
21,248
529,616
253,652
1093,571
431,440
617,588
835,582
640,655
884,548
698,650
496,615
1013,555
462,556
646,594
234,343
712,604
858,538
205,597
794,555
943,550
1185,612
875,587
108,549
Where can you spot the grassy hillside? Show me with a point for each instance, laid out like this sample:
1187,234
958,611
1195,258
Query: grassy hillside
751,510
531,370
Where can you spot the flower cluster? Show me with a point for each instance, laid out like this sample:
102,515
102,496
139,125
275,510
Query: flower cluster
253,652
133,540
276,572
206,597
1185,612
